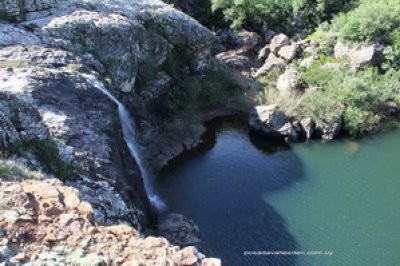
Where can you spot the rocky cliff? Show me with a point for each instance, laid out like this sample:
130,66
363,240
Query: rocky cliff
44,222
48,52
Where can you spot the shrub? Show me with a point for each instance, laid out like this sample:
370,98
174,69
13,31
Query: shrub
255,13
371,21
360,96
11,170
46,153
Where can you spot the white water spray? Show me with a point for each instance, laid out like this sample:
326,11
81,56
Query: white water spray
130,137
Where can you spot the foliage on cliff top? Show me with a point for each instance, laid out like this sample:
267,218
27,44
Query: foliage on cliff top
361,96
46,153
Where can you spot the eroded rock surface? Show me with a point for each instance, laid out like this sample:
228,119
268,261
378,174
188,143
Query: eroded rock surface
44,96
44,222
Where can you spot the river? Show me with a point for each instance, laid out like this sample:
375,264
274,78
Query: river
330,203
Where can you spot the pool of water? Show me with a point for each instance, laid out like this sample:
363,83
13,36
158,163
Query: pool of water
334,204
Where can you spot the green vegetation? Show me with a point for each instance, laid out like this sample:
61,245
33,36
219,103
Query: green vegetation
215,88
11,170
360,97
371,21
279,14
76,67
13,63
46,153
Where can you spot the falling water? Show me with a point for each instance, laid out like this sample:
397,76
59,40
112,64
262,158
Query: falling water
129,132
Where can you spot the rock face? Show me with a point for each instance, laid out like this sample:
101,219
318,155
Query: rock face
179,230
43,96
44,222
360,57
122,35
269,121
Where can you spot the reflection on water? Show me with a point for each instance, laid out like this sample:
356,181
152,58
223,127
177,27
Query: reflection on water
250,194
220,186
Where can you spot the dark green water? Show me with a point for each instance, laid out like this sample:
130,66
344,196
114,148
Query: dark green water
250,194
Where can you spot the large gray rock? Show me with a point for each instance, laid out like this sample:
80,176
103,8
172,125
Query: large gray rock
46,96
121,34
271,122
239,39
12,35
278,42
289,52
109,39
360,57
272,62
289,81
18,9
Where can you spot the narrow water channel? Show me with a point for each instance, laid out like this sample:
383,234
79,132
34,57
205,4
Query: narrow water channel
249,194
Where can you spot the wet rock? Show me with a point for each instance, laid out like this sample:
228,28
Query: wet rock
179,230
307,126
331,130
270,121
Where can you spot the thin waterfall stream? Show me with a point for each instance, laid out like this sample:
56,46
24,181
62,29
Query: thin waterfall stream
130,137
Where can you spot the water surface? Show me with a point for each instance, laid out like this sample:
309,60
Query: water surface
251,194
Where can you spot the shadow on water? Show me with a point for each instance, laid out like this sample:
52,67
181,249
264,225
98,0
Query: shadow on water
220,186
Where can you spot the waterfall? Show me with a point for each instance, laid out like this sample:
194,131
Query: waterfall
130,137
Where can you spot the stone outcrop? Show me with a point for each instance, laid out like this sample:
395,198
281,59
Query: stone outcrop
271,122
44,222
44,96
359,57
289,82
122,35
278,41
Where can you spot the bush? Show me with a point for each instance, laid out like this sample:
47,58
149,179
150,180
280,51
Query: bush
11,170
253,14
46,153
371,21
360,96
215,88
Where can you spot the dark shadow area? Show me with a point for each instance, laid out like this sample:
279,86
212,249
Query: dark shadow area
220,185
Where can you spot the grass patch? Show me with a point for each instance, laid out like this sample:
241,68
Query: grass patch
11,170
46,153
13,63
76,67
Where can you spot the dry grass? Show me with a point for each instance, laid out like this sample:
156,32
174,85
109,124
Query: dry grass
12,170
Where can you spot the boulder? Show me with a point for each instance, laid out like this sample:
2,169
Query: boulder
289,52
307,127
12,35
289,81
272,62
235,59
330,131
264,52
179,230
278,41
359,57
239,39
270,121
